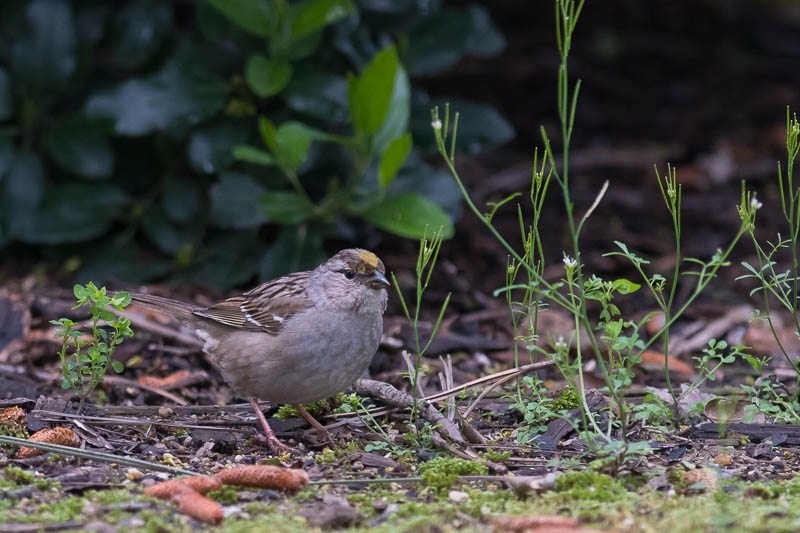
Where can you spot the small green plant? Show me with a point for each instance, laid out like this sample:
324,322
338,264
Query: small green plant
426,262
84,361
537,409
772,284
604,335
769,397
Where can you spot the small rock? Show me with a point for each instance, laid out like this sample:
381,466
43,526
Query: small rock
457,496
334,513
132,474
380,505
134,522
165,412
99,527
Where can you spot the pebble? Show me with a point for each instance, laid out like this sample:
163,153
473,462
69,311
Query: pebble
165,412
457,496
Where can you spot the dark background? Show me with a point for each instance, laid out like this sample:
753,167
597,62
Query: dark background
701,85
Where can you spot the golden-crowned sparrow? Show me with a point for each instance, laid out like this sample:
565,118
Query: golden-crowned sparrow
296,339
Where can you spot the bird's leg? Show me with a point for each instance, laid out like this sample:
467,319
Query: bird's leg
272,441
322,433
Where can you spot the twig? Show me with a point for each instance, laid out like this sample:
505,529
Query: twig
54,416
97,456
486,391
397,398
491,377
117,380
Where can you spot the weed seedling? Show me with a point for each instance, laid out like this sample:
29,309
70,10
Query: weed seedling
85,361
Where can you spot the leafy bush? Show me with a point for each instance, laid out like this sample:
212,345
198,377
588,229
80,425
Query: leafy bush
191,126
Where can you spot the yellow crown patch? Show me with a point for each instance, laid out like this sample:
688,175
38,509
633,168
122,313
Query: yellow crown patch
369,258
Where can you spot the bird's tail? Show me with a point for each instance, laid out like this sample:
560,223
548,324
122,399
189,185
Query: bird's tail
175,308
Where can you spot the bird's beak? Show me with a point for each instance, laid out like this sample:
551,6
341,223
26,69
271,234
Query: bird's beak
379,281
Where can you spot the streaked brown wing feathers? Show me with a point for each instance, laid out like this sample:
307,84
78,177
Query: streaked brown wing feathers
264,308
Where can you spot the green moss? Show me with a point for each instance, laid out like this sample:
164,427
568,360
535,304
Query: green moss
45,484
326,456
154,521
589,485
341,403
227,495
494,455
568,399
442,473
17,475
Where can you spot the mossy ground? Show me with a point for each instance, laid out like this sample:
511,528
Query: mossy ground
595,499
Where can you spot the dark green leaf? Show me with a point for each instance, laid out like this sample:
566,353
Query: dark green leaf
234,202
480,127
319,95
43,57
74,212
290,141
396,122
211,148
80,146
370,93
393,158
313,15
91,21
6,156
138,30
253,155
418,177
296,248
183,198
117,366
181,94
169,236
6,98
115,258
265,77
22,191
446,36
285,207
409,215
228,258
254,16
303,47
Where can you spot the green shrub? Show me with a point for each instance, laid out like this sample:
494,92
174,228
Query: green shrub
188,127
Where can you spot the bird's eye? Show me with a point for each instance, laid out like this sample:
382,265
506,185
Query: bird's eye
349,274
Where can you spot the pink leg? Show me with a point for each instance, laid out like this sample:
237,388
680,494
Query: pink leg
322,433
272,441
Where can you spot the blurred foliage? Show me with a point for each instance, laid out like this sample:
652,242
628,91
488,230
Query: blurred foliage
233,136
